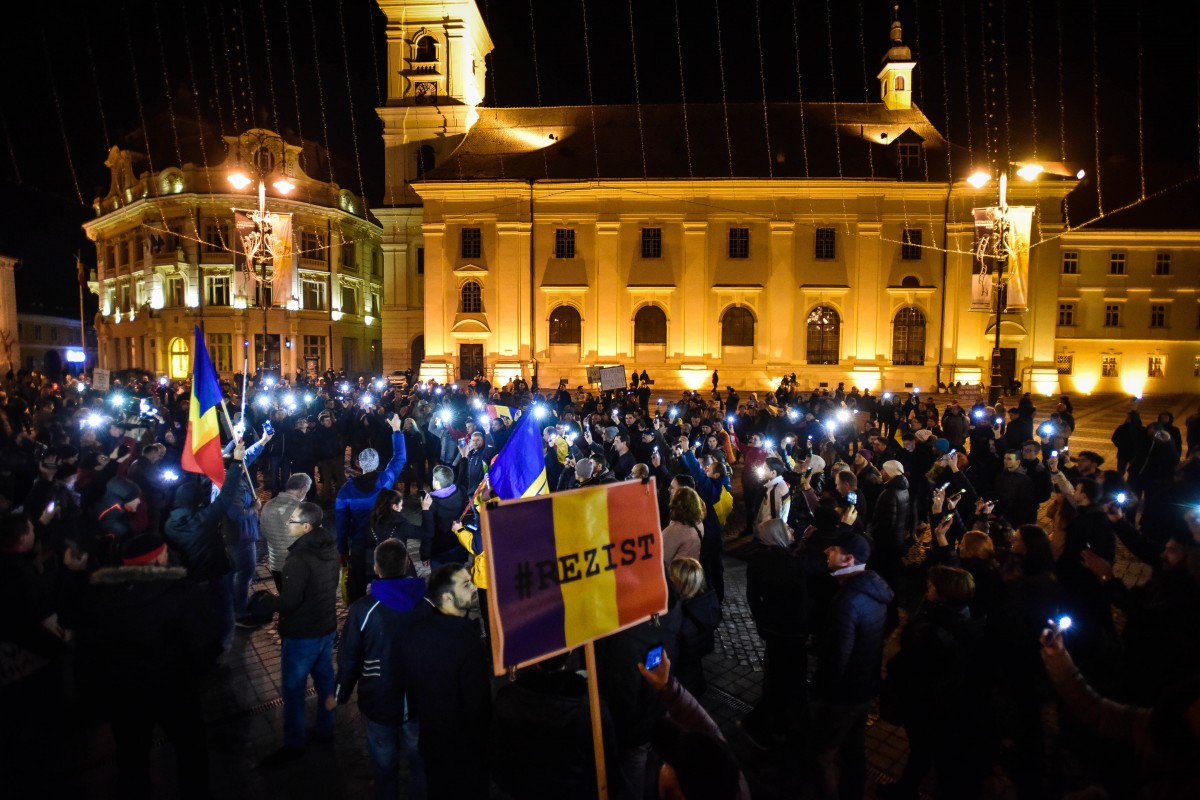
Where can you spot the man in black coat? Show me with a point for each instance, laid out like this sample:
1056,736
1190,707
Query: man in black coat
1015,491
848,667
889,529
441,545
192,530
445,669
149,636
307,609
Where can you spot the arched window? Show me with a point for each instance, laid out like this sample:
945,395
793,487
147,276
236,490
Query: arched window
425,160
824,335
565,326
179,362
910,282
418,355
737,328
899,83
908,337
650,326
426,49
472,298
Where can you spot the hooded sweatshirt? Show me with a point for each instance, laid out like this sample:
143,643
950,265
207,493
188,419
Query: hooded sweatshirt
368,656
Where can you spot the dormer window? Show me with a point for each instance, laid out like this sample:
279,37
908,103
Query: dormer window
909,154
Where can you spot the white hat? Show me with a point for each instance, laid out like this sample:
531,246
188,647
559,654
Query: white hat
893,467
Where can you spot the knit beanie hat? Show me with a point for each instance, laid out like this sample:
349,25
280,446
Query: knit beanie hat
368,460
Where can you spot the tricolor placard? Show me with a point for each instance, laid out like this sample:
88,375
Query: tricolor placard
567,568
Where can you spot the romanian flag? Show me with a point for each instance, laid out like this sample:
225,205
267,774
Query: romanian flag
500,412
570,568
520,468
202,447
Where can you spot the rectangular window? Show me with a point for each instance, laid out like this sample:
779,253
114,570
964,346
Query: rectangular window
1110,367
1162,264
110,258
312,292
739,242
1066,313
123,252
314,349
472,243
310,245
376,263
220,347
123,297
1070,262
564,243
216,290
1158,315
1116,264
826,246
54,333
651,242
910,154
349,300
214,238
349,260
37,333
420,260
1112,315
910,248
1065,363
1154,367
263,295
174,293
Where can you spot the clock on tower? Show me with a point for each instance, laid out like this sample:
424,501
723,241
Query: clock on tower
426,91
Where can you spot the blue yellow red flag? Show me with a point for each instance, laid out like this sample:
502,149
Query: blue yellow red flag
202,446
520,468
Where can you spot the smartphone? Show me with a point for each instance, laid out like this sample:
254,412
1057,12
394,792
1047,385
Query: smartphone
473,527
1063,623
999,421
654,657
655,449
51,506
462,442
267,428
952,452
945,486
852,498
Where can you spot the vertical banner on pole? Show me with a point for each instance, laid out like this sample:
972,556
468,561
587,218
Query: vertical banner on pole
284,284
1016,244
985,252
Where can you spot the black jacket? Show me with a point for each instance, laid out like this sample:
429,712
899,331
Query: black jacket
195,533
446,675
892,519
1017,496
307,605
148,631
633,703
445,511
541,738
851,644
369,653
776,590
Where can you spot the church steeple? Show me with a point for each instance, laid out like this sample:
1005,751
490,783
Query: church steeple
895,79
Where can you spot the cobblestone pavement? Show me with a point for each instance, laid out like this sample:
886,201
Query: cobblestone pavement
243,706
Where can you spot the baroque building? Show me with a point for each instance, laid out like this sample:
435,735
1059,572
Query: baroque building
170,257
832,240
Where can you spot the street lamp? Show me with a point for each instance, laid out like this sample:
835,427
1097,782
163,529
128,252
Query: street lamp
260,245
1028,171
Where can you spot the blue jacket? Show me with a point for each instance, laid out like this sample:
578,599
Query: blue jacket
710,492
243,519
851,649
357,497
369,653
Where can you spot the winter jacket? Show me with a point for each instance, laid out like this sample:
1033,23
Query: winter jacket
629,697
717,497
446,673
369,657
891,522
356,498
955,427
447,508
328,442
399,528
241,523
273,522
1018,500
540,745
1160,773
776,591
687,712
307,605
777,503
681,541
932,672
195,531
148,632
472,542
851,642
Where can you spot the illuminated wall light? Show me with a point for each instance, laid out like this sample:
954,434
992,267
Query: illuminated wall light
335,315
239,302
367,320
694,379
1045,380
1133,384
293,305
1086,382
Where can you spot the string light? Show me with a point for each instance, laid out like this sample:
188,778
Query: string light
587,60
800,93
724,101
637,92
1096,101
61,125
362,187
320,86
687,136
762,78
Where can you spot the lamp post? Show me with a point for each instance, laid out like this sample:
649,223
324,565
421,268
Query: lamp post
260,244
1029,172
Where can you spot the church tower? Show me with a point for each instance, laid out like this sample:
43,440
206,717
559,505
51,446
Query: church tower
895,79
435,80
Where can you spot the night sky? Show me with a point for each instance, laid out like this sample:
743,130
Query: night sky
83,76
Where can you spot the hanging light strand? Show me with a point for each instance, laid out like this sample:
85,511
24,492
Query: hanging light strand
724,98
61,124
800,88
587,60
637,92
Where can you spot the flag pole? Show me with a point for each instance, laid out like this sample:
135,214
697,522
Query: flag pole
589,653
232,433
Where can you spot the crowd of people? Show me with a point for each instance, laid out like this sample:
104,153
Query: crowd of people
975,530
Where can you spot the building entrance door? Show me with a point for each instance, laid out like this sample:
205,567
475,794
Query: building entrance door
470,361
1008,366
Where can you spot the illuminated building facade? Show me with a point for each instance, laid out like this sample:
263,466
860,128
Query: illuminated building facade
830,240
168,258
